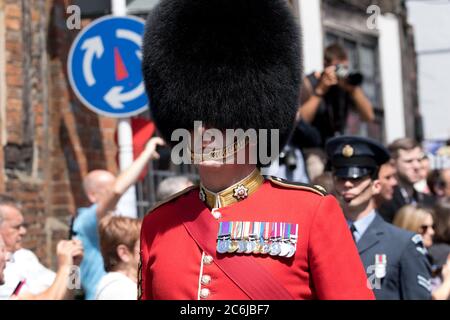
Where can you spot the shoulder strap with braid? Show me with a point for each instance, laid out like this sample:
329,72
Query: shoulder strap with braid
317,189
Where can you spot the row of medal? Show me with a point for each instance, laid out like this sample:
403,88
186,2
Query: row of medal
273,238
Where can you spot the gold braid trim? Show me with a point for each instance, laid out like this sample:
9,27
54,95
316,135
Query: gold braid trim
224,153
315,189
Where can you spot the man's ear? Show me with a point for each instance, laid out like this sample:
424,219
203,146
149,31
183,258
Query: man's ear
376,187
123,253
91,196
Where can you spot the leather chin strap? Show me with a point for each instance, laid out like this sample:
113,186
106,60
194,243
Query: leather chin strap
222,154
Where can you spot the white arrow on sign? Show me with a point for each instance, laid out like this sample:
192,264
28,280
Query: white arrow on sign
115,98
131,36
93,47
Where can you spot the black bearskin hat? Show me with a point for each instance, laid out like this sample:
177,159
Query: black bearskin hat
232,64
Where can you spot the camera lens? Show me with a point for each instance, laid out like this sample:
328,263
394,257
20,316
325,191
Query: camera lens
355,79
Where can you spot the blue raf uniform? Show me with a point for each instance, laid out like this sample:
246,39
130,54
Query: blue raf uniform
395,262
395,259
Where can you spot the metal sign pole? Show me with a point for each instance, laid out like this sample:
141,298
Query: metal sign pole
127,205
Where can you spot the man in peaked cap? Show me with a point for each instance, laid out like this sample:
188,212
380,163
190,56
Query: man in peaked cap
236,65
394,258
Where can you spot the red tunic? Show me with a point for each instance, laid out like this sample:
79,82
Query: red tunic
326,264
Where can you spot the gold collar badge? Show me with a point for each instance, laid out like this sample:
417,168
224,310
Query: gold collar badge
240,192
235,193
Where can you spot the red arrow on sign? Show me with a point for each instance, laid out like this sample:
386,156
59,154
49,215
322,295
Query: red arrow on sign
119,66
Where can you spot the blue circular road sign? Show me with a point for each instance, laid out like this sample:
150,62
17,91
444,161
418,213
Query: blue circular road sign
104,66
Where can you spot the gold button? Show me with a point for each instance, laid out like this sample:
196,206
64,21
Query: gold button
206,279
204,293
207,259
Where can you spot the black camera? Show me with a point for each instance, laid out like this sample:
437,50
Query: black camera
352,78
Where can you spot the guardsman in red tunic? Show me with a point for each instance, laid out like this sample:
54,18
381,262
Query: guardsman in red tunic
238,235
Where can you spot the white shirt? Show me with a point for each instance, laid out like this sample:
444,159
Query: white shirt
116,286
24,265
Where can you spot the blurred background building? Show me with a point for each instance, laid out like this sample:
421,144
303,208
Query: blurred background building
50,141
431,23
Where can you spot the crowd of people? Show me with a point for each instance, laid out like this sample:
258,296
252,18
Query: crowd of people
100,258
106,246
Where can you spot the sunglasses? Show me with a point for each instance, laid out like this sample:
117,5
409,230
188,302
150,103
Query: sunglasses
424,228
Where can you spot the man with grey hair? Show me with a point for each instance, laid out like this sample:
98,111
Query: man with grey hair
103,191
23,267
12,226
172,185
24,263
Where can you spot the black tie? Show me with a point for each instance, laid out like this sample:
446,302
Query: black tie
352,230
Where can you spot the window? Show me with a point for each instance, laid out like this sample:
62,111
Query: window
93,9
140,7
98,8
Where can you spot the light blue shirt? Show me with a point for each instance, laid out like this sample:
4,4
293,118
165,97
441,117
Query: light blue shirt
92,268
362,224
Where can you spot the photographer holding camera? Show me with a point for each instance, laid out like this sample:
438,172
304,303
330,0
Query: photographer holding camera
327,96
325,101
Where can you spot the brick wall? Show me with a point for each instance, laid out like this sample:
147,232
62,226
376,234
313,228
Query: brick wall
50,141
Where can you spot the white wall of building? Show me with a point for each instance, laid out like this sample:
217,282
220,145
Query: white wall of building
432,34
391,76
311,23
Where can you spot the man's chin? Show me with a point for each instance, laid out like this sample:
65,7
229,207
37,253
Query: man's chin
350,203
414,180
211,164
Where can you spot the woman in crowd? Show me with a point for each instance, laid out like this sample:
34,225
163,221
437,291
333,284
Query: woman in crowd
441,248
418,220
119,243
424,222
440,251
